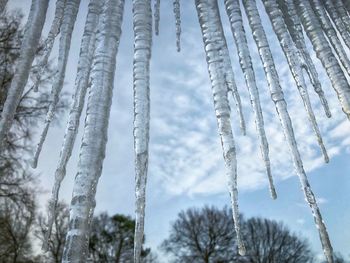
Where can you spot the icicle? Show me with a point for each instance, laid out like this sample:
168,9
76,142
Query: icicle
81,84
231,83
54,31
343,13
235,17
296,31
3,4
178,23
210,22
142,21
287,45
325,54
331,33
156,16
281,108
94,140
69,17
295,62
332,11
29,46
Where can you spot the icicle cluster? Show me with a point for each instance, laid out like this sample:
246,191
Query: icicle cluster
69,17
95,132
142,21
234,13
296,32
324,53
278,98
295,61
81,84
210,23
30,42
321,20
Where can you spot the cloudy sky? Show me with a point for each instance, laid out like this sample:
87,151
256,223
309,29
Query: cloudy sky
186,167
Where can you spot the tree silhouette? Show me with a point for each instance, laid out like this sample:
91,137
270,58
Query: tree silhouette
207,235
112,239
17,191
58,235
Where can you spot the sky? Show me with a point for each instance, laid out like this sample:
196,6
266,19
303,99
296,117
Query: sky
186,168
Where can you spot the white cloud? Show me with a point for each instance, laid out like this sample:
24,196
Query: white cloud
187,157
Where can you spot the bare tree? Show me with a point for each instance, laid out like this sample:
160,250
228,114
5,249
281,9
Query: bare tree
207,235
112,239
15,227
202,235
58,236
269,241
14,176
17,192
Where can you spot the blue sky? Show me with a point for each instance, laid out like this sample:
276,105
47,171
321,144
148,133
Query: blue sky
186,166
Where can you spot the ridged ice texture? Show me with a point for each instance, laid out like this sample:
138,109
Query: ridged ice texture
156,16
31,38
287,45
3,4
343,13
331,33
230,81
142,24
54,31
81,85
94,140
69,17
296,31
295,62
333,13
177,13
324,53
210,23
234,13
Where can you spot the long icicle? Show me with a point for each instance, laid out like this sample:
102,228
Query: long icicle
231,83
331,33
29,46
235,17
69,17
94,140
156,16
281,108
177,13
54,31
324,53
332,11
81,85
210,23
142,24
296,31
295,62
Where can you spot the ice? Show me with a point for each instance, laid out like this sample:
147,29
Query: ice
142,24
30,42
235,17
92,151
69,17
